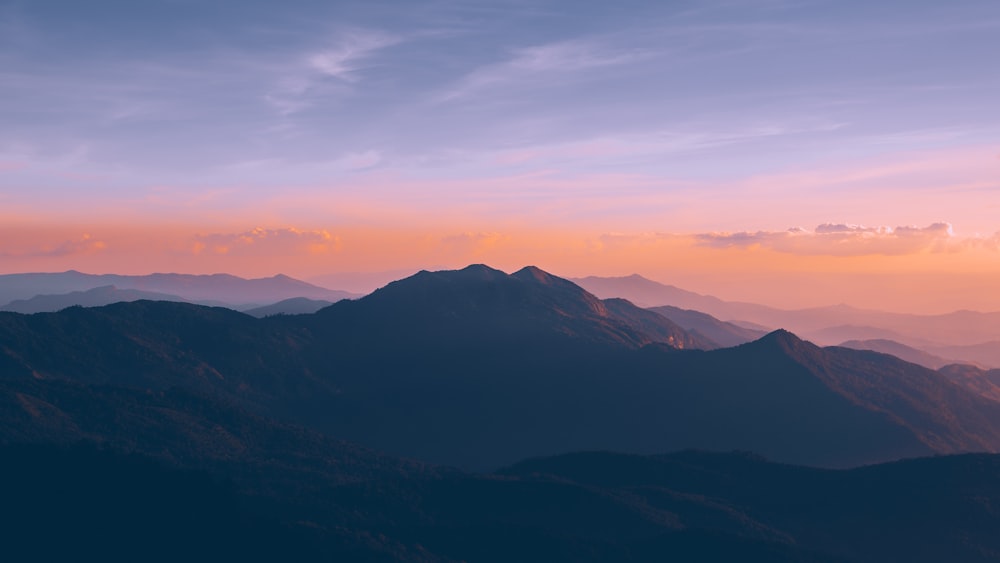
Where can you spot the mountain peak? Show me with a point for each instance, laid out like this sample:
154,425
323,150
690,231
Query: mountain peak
781,338
534,273
482,271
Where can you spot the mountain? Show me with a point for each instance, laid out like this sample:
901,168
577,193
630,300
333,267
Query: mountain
480,305
962,335
901,351
293,306
115,472
983,382
90,298
984,353
931,509
725,334
218,288
477,368
644,292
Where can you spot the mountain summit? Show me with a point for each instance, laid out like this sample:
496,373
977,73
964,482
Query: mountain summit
480,302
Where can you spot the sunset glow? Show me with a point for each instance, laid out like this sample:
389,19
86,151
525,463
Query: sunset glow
789,153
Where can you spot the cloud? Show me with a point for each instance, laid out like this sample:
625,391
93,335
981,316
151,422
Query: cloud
842,239
541,62
342,60
268,242
83,245
473,243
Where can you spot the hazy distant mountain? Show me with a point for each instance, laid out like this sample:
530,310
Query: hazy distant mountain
221,288
645,292
901,351
477,368
985,353
91,298
725,334
826,325
293,306
662,329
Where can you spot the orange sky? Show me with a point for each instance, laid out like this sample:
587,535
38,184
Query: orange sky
924,270
785,153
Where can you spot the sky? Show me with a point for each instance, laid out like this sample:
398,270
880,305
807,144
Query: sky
789,152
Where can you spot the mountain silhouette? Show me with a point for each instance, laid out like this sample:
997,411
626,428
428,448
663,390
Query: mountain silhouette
293,306
476,368
219,289
487,305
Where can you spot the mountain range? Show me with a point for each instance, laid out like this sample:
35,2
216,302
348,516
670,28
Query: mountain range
477,368
46,292
962,335
109,473
147,428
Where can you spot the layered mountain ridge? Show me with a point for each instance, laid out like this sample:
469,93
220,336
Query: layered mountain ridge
477,368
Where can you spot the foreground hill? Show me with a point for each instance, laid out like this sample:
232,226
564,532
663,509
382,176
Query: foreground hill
117,474
477,368
931,509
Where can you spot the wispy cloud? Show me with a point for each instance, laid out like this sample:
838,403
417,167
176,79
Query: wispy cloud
342,60
530,65
841,239
268,242
473,244
86,244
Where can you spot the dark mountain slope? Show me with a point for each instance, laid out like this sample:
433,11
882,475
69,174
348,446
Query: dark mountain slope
932,509
304,493
977,380
479,303
901,351
81,503
158,344
293,306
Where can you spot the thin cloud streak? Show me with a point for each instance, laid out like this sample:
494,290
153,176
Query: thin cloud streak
264,242
842,239
76,247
